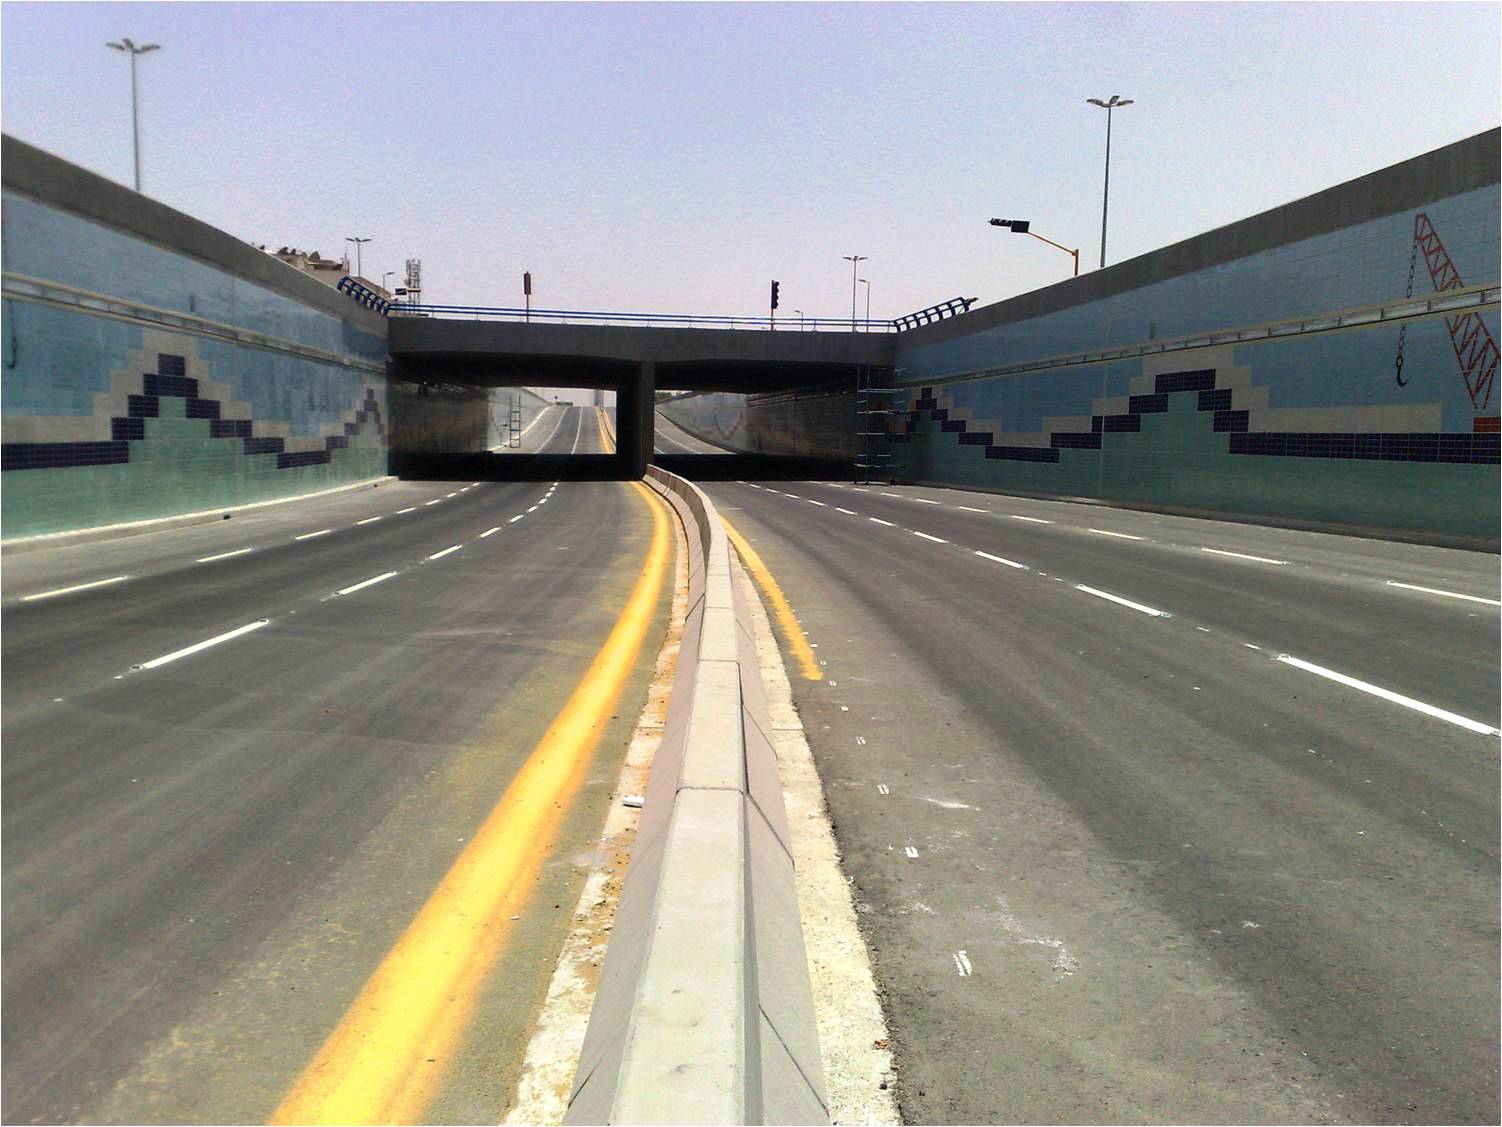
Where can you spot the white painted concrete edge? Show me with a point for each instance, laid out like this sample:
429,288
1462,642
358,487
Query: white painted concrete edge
704,1012
156,524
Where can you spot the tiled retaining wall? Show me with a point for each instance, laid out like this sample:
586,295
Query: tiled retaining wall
153,365
815,423
1387,425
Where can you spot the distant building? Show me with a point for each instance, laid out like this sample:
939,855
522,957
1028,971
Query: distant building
326,270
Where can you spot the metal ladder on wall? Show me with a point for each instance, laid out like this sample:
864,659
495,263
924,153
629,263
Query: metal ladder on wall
514,421
874,458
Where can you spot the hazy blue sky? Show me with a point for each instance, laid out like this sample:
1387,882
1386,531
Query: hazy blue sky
677,157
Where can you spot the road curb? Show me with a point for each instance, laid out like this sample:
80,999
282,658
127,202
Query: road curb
704,1012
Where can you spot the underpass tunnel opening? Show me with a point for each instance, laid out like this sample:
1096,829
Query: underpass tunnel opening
833,429
448,430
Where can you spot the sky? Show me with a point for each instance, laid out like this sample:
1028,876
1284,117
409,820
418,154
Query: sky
675,158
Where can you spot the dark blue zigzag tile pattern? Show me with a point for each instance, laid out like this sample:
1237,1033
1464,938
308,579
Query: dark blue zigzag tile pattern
170,379
1481,448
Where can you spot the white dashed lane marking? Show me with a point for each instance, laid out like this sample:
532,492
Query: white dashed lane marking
311,535
1120,601
1121,535
968,509
413,509
434,501
445,552
1000,560
224,555
1389,695
516,518
1031,520
490,532
878,520
78,587
214,641
962,964
352,588
368,520
1446,594
926,536
925,501
847,512
1243,556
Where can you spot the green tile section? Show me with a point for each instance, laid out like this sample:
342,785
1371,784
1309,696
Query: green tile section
1177,460
177,468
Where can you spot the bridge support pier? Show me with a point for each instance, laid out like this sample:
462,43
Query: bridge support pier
634,399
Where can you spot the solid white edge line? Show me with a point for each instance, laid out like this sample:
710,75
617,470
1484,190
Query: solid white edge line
446,551
1033,520
175,654
847,512
311,535
490,532
366,583
368,520
1124,602
223,555
1122,535
1389,695
878,520
1000,560
1243,556
1446,594
78,587
926,536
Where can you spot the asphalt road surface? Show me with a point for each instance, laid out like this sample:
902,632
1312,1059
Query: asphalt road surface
210,848
1153,818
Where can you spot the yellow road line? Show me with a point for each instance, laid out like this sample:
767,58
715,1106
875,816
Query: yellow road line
385,1059
808,664
607,444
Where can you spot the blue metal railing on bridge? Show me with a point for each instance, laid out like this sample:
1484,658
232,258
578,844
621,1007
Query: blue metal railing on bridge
372,300
678,320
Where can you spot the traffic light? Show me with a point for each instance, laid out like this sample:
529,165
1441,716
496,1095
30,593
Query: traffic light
775,286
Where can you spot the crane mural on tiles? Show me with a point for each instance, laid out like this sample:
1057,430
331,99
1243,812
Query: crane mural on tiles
1475,350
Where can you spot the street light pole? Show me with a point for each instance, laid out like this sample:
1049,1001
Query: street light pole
359,242
868,302
855,260
1116,102
135,116
800,319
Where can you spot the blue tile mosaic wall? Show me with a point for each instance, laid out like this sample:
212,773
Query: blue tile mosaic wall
1420,392
117,417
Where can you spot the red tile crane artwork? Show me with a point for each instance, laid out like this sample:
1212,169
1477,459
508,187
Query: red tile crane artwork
1475,350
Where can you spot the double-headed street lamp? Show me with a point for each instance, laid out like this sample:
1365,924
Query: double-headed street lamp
1116,102
359,242
1023,227
135,117
855,260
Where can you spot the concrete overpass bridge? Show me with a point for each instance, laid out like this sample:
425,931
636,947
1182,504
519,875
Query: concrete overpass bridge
634,360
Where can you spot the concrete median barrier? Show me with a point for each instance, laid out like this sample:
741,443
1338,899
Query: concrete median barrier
704,1012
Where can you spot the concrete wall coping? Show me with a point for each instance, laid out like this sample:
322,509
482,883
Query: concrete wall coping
56,182
704,1012
1448,171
